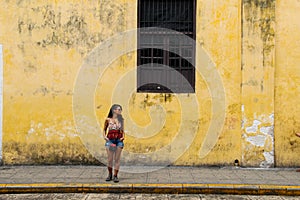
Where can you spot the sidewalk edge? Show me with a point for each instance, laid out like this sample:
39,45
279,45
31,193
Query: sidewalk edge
239,189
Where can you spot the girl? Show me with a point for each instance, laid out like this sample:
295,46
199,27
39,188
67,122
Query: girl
113,134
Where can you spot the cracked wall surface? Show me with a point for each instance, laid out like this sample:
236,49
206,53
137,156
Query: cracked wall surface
258,50
287,84
46,42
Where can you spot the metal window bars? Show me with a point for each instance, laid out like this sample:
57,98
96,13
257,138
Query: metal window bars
159,47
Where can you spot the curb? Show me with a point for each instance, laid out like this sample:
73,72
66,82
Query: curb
239,189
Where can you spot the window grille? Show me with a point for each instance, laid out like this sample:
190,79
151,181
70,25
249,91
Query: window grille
159,48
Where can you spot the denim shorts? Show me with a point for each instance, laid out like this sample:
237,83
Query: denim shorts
117,142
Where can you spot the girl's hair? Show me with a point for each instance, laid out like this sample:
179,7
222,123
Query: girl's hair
119,117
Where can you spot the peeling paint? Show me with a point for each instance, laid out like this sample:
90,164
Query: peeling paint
267,130
45,44
258,140
63,130
61,34
261,136
254,127
258,53
269,159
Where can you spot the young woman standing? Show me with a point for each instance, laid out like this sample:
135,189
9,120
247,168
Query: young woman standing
113,134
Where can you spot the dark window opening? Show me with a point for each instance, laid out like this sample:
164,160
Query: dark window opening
166,59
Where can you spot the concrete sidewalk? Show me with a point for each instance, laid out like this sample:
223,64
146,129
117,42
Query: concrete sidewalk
208,180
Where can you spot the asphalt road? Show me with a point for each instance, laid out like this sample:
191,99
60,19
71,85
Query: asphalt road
79,196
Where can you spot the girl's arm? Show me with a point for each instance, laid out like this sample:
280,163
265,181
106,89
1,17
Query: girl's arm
104,129
122,132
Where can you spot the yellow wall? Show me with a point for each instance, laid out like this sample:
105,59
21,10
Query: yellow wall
287,84
257,95
47,43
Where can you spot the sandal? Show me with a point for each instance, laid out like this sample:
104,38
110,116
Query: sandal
109,178
116,180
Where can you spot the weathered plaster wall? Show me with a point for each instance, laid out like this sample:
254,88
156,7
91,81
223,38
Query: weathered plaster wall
287,84
219,33
153,120
258,50
46,42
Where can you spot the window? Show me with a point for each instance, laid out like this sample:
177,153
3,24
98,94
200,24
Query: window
160,68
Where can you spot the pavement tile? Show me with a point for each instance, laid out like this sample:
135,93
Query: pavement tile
228,181
103,196
185,196
158,180
62,180
181,178
5,176
128,180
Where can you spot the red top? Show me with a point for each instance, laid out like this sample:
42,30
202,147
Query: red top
114,129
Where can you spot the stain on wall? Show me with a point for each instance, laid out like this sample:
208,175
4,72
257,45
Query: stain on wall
46,42
69,27
258,52
45,45
287,85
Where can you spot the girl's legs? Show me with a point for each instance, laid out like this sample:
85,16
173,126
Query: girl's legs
117,163
110,156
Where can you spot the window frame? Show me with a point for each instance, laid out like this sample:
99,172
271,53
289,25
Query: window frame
166,58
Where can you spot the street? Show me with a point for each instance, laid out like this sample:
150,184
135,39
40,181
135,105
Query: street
93,196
